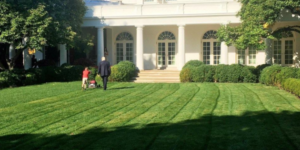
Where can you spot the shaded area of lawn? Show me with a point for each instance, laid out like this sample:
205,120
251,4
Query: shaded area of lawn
251,131
153,116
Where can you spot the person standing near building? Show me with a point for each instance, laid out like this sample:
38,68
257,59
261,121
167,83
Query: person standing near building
104,71
85,76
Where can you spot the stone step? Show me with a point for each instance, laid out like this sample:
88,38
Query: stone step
155,78
155,81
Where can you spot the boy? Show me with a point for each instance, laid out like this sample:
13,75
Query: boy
85,76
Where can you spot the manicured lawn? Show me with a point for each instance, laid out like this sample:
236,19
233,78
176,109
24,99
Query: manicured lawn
149,116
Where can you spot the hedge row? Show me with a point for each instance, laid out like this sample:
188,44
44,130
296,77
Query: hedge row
66,73
292,85
276,75
196,71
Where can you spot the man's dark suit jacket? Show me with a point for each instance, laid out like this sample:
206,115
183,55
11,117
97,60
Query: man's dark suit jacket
104,68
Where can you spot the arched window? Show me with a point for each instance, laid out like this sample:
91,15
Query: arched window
124,36
211,34
124,47
166,35
283,49
166,49
211,48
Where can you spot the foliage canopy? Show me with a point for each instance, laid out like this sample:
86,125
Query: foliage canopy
258,17
40,23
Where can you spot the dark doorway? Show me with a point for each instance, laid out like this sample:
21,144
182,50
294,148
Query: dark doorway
52,53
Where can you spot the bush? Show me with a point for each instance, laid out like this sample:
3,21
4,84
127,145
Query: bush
14,77
46,62
249,74
123,71
260,68
268,75
285,73
83,62
194,63
219,73
292,85
39,74
186,75
30,78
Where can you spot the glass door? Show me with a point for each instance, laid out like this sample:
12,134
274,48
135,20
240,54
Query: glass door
166,54
124,51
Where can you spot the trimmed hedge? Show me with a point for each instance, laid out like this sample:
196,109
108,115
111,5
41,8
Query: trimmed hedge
66,73
292,85
219,73
194,63
275,75
123,71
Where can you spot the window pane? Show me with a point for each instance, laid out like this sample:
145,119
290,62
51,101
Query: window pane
206,52
252,55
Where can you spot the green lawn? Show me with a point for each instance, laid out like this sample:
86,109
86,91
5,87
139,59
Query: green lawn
149,116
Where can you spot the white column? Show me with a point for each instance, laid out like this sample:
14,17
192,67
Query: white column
100,44
139,48
181,46
26,59
224,53
63,53
26,56
12,51
268,58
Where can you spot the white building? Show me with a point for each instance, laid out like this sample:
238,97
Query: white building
168,33
158,34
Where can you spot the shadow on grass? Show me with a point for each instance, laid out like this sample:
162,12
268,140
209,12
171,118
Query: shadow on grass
120,88
259,130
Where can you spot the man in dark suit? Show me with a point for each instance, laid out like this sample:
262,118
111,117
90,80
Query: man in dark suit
104,71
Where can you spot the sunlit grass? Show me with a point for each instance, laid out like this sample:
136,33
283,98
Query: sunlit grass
149,116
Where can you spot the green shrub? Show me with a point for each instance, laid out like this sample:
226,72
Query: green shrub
123,71
234,73
194,63
30,78
286,72
209,73
292,85
249,74
268,75
186,75
259,69
39,74
14,77
221,74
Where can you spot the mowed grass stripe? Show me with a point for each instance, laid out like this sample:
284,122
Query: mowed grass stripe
287,125
144,105
123,106
198,125
174,132
16,96
178,97
223,108
43,107
67,124
55,114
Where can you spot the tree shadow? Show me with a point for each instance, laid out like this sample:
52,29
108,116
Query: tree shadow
121,88
252,130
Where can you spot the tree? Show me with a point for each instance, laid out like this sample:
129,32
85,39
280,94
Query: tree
258,17
34,24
